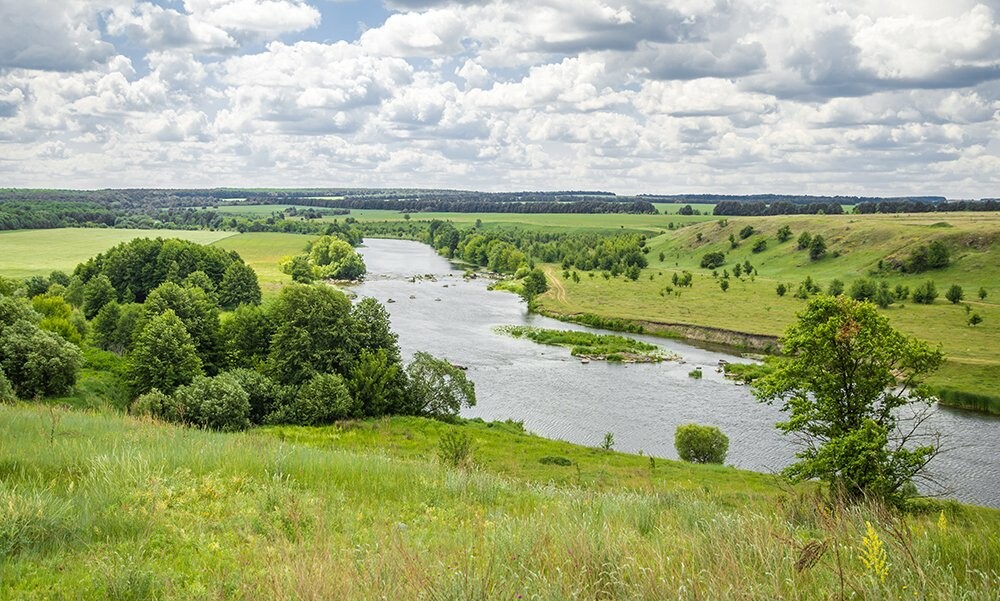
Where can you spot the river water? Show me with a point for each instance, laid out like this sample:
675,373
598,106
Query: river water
557,396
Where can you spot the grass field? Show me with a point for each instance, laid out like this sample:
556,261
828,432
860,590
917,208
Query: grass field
25,253
101,506
753,306
263,251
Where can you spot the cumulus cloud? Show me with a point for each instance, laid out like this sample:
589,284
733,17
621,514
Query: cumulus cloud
859,96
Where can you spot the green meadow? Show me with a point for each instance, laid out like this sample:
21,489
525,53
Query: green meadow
263,251
25,253
98,505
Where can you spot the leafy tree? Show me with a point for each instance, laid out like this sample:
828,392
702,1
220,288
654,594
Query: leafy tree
847,374
732,241
312,333
324,399
239,286
37,362
36,285
724,284
6,389
97,293
218,403
437,388
975,319
377,383
298,267
159,405
713,260
263,394
199,314
925,293
982,294
902,292
534,284
200,279
784,233
955,294
746,232
59,277
836,288
863,289
781,289
685,210
246,336
372,331
805,239
817,248
760,245
163,357
701,444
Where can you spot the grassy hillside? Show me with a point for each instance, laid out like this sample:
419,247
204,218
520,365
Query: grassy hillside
25,253
100,506
752,305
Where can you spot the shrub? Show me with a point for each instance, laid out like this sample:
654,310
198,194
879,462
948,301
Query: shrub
455,449
805,239
37,362
925,293
863,289
975,319
6,390
902,292
437,388
695,373
817,248
156,404
264,395
164,356
760,245
322,400
555,460
746,232
724,284
955,294
701,444
784,234
982,294
781,289
218,403
713,260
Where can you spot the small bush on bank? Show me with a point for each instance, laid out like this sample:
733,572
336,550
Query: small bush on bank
701,444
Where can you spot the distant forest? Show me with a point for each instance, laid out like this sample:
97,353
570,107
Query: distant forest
192,208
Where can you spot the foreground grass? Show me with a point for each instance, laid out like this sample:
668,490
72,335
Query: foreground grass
24,253
100,506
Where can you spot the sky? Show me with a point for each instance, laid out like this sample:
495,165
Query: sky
859,97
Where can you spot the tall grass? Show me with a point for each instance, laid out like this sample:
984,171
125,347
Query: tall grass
120,508
969,400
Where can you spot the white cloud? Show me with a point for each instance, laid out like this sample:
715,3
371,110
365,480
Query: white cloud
55,35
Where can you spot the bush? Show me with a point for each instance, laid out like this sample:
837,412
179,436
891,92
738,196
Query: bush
836,288
781,289
784,234
746,232
263,394
437,388
713,260
555,460
695,373
760,245
323,400
455,449
925,293
817,248
159,405
701,444
37,362
218,403
6,390
864,289
955,294
164,356
805,239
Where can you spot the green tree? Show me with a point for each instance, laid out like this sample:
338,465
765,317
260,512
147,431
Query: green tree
324,399
781,289
97,293
784,233
836,288
239,286
955,294
847,373
982,294
805,239
246,335
701,444
534,284
37,362
218,403
377,383
199,314
163,357
372,331
760,245
438,388
817,248
925,293
713,260
6,389
312,333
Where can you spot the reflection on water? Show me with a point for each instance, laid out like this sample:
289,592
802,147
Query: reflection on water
559,397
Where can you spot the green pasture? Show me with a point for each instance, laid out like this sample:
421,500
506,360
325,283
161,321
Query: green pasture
25,253
263,251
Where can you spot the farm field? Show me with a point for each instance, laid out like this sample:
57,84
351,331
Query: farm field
24,253
263,251
107,506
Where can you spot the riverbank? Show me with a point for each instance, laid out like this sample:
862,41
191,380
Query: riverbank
107,506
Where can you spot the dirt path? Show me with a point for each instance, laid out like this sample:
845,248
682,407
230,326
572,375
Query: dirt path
556,285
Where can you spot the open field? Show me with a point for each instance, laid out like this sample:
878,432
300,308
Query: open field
752,305
263,251
101,506
25,253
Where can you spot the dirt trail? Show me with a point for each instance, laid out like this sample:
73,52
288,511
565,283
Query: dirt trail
556,285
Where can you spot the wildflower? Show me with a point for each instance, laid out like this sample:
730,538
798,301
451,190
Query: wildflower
942,522
873,554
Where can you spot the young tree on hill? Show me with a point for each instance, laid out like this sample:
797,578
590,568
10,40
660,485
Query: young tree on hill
847,376
438,388
817,248
239,286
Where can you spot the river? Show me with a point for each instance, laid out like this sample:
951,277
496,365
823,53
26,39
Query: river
557,396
